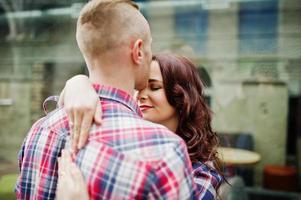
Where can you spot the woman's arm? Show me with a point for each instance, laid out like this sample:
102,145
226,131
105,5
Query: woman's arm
71,184
82,106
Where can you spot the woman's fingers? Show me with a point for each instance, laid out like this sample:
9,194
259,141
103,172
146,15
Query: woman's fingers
70,115
82,106
64,161
77,174
60,167
85,128
66,156
80,184
71,184
78,118
98,114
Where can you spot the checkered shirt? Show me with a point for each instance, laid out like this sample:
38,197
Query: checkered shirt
207,180
125,158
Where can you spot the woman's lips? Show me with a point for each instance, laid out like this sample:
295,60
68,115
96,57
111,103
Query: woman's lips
145,107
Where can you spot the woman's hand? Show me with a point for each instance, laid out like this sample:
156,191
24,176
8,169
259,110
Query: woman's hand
71,184
82,106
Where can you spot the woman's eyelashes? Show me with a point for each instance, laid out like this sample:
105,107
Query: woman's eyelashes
155,87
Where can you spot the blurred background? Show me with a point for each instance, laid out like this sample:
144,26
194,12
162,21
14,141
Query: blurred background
248,53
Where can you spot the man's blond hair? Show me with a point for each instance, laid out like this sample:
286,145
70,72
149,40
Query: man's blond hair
106,24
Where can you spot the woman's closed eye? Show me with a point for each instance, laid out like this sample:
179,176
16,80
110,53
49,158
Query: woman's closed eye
155,87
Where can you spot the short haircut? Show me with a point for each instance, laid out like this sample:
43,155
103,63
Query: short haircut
106,24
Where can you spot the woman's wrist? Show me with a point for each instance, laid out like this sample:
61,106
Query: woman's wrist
76,78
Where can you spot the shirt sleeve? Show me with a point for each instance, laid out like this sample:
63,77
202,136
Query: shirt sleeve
38,163
172,177
21,153
20,159
207,180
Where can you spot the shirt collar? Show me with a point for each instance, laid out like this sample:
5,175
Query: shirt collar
118,95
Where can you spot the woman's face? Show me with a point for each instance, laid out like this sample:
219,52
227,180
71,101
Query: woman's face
153,102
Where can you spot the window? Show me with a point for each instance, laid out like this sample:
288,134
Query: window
258,22
192,27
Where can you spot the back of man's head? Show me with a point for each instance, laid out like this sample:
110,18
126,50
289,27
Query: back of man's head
105,25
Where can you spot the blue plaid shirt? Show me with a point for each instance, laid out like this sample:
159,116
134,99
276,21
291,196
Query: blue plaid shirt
207,180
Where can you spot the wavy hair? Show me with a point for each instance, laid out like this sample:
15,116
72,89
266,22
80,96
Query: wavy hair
185,92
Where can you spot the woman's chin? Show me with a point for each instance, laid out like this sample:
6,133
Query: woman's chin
147,116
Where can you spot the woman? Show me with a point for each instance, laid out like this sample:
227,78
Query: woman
174,98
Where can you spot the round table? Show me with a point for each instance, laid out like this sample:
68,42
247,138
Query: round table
234,156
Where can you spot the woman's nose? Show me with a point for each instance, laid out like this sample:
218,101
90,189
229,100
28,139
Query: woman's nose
142,95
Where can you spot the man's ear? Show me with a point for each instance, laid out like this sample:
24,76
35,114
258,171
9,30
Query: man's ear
137,53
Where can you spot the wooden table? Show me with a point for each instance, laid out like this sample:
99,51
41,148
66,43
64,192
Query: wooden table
234,156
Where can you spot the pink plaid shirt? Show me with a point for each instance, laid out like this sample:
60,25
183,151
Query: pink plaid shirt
125,158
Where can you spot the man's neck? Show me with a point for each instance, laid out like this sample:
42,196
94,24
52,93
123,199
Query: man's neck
113,75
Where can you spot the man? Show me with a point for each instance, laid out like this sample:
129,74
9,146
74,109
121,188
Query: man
126,157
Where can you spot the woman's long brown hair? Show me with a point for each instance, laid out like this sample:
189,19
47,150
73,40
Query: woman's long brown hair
185,92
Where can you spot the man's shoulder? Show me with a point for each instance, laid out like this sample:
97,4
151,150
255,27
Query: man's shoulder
157,130
38,156
137,132
155,126
139,122
55,120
